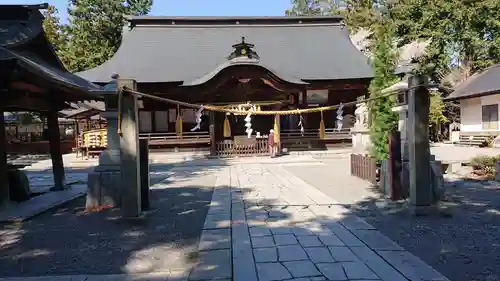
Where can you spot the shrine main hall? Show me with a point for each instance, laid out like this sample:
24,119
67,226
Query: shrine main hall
275,63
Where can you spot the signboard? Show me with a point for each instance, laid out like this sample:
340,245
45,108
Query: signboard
317,96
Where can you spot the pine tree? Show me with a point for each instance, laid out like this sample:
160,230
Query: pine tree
95,29
383,119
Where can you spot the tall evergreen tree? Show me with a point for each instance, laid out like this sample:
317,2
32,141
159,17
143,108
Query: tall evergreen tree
383,119
95,28
462,32
54,32
309,8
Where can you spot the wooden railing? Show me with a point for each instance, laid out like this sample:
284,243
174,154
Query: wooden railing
330,134
202,137
230,148
364,167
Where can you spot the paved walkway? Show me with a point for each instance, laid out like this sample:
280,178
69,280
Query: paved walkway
266,224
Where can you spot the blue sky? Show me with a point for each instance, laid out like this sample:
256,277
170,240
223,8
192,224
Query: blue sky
192,7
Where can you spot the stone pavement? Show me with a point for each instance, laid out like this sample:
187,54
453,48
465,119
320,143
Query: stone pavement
277,227
266,224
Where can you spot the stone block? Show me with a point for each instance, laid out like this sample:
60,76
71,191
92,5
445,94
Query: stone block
103,189
259,231
222,220
319,254
215,239
342,254
301,268
376,240
272,271
377,264
242,253
291,253
353,222
299,231
358,270
412,267
265,254
212,265
260,242
309,241
285,239
437,180
281,230
344,235
330,239
332,271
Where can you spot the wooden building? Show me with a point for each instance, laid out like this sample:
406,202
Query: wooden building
32,78
295,62
479,98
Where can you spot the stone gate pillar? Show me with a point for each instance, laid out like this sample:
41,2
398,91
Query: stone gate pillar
105,181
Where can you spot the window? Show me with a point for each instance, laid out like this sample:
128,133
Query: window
490,117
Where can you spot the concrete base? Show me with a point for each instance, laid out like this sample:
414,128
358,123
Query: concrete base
103,189
109,159
104,182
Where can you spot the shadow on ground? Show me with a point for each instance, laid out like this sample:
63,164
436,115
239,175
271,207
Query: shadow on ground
462,242
70,241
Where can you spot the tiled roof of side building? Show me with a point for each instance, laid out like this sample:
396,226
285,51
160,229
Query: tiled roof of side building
483,83
175,49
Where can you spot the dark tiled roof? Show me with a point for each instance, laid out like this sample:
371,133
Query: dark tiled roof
166,49
484,83
36,65
23,41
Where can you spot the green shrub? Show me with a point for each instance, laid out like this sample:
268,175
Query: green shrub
485,164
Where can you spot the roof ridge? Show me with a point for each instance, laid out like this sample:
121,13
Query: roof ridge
234,20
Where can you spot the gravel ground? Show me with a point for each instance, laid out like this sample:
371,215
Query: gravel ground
463,247
68,241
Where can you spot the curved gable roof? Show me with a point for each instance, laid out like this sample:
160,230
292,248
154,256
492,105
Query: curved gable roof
173,49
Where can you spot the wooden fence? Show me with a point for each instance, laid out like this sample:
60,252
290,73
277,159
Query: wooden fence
229,148
364,167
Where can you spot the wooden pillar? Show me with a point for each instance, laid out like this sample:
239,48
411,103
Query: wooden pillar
129,153
4,179
55,150
421,193
211,131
